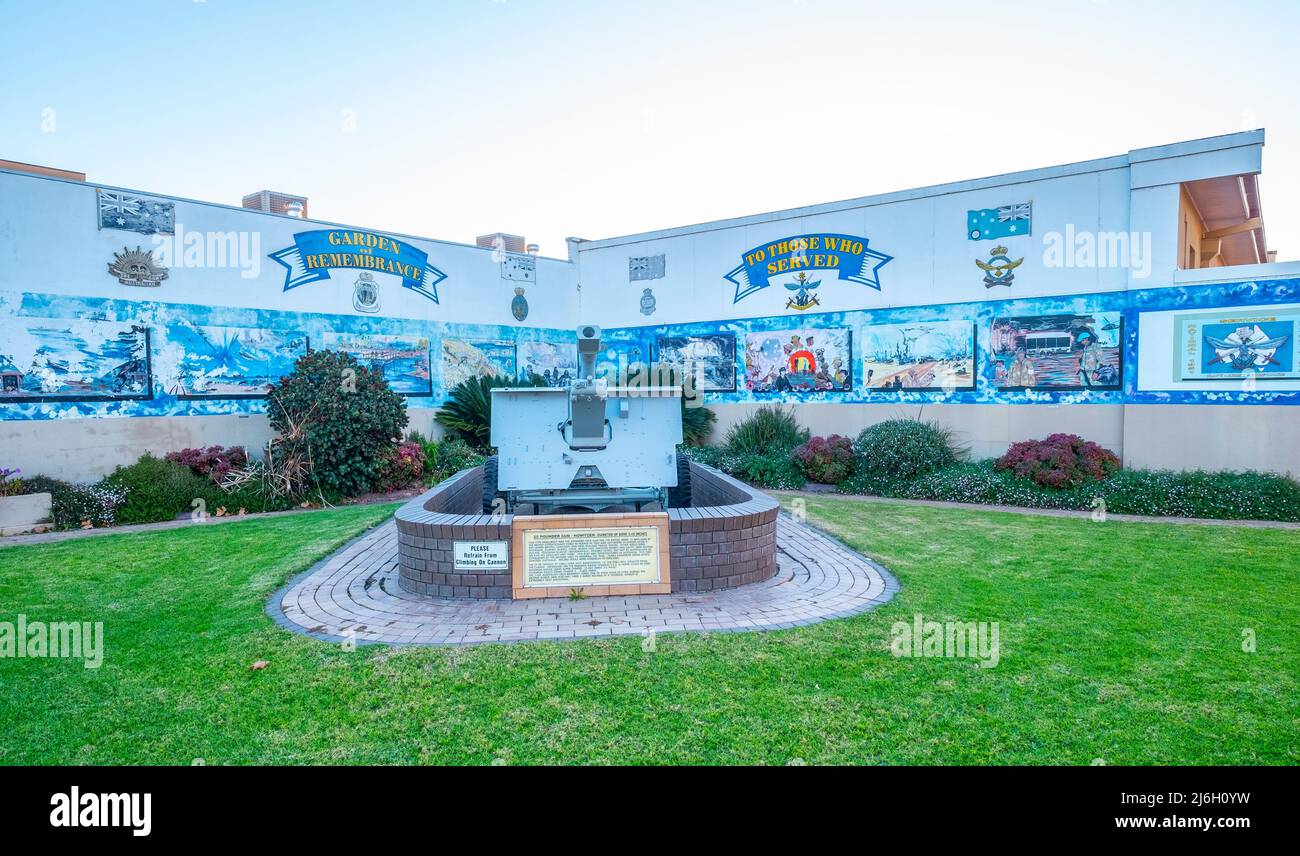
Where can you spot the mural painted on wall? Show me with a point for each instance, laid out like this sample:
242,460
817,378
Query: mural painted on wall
1242,341
615,358
402,360
558,364
925,355
799,361
464,359
710,359
314,254
1057,351
51,359
225,362
848,256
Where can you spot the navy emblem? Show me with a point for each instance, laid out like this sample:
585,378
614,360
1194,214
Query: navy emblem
647,302
365,294
998,269
803,298
519,305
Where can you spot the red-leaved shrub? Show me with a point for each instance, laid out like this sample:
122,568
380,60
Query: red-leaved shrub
400,466
1059,460
213,462
827,460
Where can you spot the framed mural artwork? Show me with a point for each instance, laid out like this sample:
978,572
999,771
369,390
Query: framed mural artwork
920,356
799,361
710,358
1239,342
1057,351
463,359
226,362
616,358
402,360
56,359
558,364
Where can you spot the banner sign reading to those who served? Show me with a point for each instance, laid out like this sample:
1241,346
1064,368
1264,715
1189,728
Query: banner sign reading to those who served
314,254
847,255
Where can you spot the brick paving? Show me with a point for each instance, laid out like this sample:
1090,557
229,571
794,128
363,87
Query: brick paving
353,595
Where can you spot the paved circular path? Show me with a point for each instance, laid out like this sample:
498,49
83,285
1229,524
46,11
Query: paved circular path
353,594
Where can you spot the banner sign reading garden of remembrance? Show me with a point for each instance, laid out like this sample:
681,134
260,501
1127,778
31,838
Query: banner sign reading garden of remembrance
314,254
847,255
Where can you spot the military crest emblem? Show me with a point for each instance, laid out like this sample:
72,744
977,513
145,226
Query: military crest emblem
998,270
365,294
647,302
137,267
519,305
803,289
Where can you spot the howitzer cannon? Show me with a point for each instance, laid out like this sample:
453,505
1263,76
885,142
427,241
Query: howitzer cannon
591,446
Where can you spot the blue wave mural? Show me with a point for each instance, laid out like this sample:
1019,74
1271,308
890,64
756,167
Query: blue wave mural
70,357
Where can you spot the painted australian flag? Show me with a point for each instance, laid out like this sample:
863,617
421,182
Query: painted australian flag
1007,221
136,213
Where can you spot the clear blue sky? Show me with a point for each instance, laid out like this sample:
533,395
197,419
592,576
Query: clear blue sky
452,118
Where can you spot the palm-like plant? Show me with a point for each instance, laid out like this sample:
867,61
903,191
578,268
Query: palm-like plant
468,411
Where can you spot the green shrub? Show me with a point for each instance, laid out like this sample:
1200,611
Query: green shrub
467,413
429,445
903,449
158,490
771,429
1156,493
339,417
73,505
776,471
453,456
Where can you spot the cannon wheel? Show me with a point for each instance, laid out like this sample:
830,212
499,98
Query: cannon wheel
490,492
680,496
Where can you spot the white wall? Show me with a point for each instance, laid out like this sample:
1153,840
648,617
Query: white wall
50,242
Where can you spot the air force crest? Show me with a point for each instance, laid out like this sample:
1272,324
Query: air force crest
998,269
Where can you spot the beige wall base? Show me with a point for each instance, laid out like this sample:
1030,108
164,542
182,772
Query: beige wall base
987,429
1212,437
85,450
1150,436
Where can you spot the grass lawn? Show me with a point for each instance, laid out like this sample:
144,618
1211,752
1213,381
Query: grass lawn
1119,641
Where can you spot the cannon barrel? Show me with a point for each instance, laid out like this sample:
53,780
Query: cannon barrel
588,348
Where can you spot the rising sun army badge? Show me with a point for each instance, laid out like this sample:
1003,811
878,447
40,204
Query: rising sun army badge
136,267
998,269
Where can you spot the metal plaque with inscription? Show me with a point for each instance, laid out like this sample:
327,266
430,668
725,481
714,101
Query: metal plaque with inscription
573,558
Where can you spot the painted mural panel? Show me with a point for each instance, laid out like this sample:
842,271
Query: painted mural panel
710,358
557,363
615,358
463,359
799,361
44,359
924,355
402,360
225,362
1242,341
1057,351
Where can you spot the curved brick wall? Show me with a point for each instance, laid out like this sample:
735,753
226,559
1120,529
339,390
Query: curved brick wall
726,539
